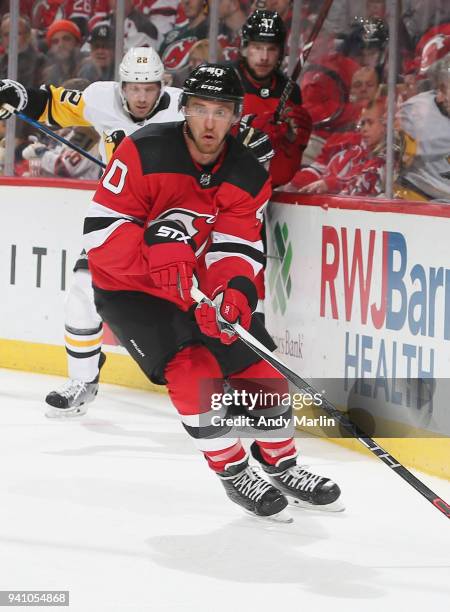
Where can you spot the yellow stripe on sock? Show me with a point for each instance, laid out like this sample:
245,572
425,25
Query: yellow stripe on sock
82,343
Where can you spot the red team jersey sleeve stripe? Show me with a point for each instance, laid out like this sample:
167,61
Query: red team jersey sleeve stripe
114,225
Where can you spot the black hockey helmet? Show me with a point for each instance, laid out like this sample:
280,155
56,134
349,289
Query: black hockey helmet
214,82
264,26
366,34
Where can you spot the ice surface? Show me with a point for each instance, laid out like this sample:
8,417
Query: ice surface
119,508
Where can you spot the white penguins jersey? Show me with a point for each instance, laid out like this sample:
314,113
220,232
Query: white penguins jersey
100,105
427,146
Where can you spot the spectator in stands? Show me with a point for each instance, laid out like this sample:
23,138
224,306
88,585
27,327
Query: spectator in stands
177,43
364,87
79,13
284,10
100,64
198,54
45,12
139,30
64,40
24,7
161,13
325,86
424,127
30,62
356,166
419,16
232,17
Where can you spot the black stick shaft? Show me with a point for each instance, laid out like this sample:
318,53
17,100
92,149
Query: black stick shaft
304,53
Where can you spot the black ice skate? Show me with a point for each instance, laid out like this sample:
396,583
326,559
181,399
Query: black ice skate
302,488
258,497
73,397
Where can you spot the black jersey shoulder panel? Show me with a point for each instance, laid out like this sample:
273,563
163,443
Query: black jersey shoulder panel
241,169
162,149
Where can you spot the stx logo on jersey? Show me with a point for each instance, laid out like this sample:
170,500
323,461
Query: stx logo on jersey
196,225
172,234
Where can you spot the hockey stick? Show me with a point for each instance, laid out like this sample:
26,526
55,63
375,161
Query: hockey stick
53,135
304,53
329,408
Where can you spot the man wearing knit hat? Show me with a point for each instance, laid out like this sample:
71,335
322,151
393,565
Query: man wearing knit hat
63,39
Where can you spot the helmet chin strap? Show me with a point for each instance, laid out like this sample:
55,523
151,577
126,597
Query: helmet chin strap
187,131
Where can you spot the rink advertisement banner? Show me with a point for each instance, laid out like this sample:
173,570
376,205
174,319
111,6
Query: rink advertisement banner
360,293
40,240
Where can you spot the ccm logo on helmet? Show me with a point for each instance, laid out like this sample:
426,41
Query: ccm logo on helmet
173,234
210,87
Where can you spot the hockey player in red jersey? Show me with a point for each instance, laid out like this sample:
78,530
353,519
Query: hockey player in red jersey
263,42
179,202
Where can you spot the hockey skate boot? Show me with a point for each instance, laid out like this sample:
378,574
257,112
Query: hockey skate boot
73,397
258,497
302,488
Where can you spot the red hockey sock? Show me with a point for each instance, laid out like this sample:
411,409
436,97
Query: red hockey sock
273,451
218,459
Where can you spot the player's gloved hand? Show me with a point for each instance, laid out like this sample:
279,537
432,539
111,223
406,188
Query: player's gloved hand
235,304
14,93
36,149
299,124
257,141
265,123
171,257
295,125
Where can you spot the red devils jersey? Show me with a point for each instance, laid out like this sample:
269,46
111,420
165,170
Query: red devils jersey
348,168
263,98
152,176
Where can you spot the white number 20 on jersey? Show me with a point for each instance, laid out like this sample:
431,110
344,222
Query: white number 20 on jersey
114,179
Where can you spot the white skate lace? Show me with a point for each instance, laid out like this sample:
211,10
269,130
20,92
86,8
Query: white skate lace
250,484
299,478
73,389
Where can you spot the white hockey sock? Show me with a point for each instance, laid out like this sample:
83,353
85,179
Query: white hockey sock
83,348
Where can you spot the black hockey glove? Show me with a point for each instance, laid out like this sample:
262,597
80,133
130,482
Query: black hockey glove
256,140
14,93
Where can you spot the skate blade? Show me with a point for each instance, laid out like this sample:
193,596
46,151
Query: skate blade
279,517
336,506
66,413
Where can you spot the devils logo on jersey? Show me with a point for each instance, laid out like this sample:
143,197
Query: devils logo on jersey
176,54
195,224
